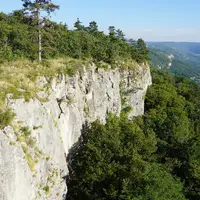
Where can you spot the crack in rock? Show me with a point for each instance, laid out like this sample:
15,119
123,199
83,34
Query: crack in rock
109,98
59,101
111,82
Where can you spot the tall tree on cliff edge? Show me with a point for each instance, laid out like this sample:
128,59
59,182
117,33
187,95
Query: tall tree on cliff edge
34,8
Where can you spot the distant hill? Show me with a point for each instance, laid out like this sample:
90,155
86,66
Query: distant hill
181,58
187,47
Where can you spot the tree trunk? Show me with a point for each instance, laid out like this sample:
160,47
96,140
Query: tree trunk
39,36
39,46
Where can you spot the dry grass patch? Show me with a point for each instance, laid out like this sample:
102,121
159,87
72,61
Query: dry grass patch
19,77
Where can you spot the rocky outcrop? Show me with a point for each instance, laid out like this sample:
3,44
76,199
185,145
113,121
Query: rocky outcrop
33,150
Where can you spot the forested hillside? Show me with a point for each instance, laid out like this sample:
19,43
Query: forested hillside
178,58
153,157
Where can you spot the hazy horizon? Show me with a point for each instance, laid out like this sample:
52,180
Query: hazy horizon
172,42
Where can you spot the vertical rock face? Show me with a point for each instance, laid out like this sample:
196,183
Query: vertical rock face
33,151
134,86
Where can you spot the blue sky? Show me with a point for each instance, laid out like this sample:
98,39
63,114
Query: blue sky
153,20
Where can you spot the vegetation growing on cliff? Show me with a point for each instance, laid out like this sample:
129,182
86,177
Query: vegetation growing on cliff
155,156
6,117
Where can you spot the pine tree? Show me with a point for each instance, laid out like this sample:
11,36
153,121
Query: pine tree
112,31
142,46
93,27
78,25
34,8
120,34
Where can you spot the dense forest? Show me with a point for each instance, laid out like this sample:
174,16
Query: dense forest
152,157
19,40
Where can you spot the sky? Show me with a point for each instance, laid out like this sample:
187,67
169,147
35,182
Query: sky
152,20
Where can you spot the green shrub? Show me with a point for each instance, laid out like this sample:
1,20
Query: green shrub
46,189
31,161
30,141
26,131
6,117
12,143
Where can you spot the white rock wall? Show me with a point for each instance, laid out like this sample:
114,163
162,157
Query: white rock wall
55,126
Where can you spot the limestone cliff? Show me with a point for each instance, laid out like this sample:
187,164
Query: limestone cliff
33,150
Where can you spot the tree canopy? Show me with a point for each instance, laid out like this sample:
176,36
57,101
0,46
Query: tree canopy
19,38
